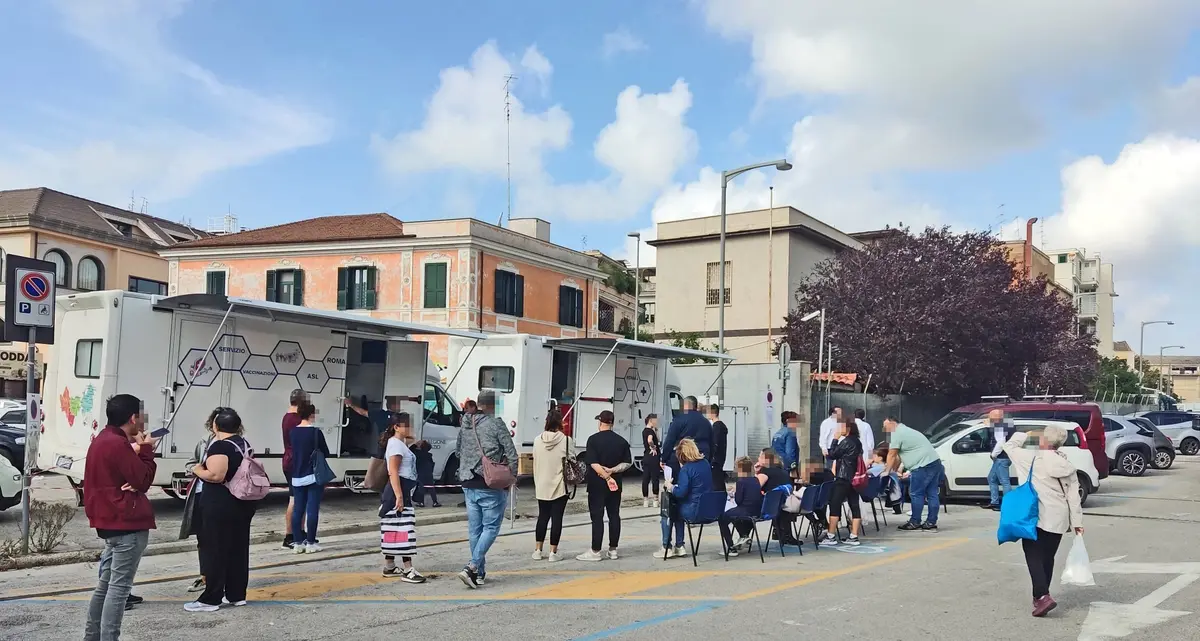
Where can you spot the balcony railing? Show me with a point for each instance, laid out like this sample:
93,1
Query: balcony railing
1086,306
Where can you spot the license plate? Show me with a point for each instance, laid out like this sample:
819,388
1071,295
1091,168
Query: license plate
64,462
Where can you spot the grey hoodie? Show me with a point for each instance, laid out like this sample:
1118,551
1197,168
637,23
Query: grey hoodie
496,440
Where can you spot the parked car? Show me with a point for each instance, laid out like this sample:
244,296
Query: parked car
12,435
10,484
1164,449
966,448
1130,446
1086,415
1183,428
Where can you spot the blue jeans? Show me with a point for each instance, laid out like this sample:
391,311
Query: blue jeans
118,565
485,513
666,531
998,480
923,487
307,511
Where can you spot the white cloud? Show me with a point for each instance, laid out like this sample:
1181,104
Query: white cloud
158,156
464,127
535,63
1178,108
621,41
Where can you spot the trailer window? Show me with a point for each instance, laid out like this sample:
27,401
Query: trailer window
498,378
87,358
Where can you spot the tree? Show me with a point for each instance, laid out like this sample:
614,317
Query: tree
1114,377
942,313
688,340
625,328
619,278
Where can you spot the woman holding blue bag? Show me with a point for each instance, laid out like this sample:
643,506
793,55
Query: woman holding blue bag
1046,507
310,473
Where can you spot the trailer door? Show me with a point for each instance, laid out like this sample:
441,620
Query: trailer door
407,363
193,363
595,396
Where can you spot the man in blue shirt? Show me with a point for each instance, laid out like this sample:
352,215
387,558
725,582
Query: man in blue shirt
784,442
690,424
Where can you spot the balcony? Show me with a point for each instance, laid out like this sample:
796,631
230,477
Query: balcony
1086,307
1090,274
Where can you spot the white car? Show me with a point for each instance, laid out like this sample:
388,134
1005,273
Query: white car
1183,428
10,484
965,449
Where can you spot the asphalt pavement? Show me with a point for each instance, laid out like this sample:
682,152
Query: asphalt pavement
956,584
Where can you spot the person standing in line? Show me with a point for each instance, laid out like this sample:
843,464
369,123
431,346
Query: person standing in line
193,515
306,441
226,518
425,485
1059,509
397,519
290,420
608,456
784,443
551,449
866,435
483,434
910,448
116,477
829,428
846,452
651,461
690,424
720,446
999,481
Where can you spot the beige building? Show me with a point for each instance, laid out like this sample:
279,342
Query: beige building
1123,351
1041,265
1090,279
93,246
1183,373
767,254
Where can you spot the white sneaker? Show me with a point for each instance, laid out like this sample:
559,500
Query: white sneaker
681,553
590,556
664,553
312,548
537,555
299,548
739,541
851,541
236,604
646,502
554,557
612,555
829,540
654,504
733,552
196,606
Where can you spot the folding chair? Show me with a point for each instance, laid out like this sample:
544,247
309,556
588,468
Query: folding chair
773,511
870,494
824,491
712,506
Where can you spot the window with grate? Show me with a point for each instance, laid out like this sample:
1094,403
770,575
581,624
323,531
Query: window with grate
713,293
606,319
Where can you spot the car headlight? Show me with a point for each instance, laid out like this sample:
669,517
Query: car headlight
20,440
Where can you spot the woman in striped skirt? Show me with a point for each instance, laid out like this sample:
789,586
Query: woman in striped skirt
397,519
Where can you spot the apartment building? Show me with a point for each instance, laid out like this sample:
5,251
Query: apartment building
647,291
1090,280
1183,373
617,309
460,273
1041,266
767,253
93,246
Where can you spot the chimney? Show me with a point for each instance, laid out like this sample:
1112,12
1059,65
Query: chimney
1029,248
532,227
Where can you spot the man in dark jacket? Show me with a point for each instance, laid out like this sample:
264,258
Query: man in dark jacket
720,446
690,424
118,470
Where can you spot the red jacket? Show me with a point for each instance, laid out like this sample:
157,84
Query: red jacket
110,464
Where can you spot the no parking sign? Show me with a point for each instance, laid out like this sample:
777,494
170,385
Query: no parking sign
29,299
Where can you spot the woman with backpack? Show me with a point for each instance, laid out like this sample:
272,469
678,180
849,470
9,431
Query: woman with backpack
397,518
550,453
226,521
308,486
846,453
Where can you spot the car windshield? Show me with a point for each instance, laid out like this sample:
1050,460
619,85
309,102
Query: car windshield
946,426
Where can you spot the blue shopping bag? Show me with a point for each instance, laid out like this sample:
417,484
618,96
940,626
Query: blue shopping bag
1019,512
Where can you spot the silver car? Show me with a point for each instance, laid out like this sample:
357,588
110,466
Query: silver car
1164,449
1183,428
1129,446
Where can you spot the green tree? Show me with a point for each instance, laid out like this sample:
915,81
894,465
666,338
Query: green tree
619,278
1113,376
686,340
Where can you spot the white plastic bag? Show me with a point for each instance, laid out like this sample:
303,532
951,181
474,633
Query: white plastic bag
1079,569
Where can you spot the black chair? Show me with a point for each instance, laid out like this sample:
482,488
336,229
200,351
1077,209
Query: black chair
712,506
824,492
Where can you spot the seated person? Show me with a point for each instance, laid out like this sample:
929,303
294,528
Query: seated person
694,480
816,473
892,486
748,498
770,474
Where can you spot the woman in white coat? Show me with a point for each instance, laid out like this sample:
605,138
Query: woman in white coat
549,450
1057,486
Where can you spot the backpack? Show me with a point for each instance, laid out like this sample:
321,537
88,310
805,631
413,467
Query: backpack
861,479
249,482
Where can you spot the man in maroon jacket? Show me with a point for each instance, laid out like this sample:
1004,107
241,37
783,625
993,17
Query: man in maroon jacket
118,470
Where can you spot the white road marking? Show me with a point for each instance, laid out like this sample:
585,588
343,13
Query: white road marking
1112,566
1116,620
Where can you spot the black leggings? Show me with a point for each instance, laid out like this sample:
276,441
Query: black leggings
843,492
227,537
601,500
650,473
550,513
1039,558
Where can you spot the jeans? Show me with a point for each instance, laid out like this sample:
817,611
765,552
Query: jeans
118,565
307,511
485,512
550,513
998,480
1039,558
924,485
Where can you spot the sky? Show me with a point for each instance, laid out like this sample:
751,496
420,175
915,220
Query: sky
969,113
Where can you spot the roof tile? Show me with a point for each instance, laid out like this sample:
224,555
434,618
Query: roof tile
325,228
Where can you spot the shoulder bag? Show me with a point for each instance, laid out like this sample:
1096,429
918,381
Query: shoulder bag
497,476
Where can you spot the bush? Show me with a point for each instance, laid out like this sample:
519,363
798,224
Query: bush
10,548
48,525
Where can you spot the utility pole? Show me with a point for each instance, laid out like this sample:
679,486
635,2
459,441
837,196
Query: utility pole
508,80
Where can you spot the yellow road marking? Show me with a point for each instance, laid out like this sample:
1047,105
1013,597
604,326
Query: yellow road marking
607,585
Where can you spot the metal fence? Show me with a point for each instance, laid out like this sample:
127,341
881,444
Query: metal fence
915,411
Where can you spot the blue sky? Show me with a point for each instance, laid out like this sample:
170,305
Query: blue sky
1083,114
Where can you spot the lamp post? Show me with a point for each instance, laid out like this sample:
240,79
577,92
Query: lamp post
782,165
1141,364
821,340
637,284
1160,364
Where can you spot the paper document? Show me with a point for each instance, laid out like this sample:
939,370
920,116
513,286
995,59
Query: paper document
730,504
667,474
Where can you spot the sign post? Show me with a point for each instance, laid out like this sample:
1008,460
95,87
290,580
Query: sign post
29,306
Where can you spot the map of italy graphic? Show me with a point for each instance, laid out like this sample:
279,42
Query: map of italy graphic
74,406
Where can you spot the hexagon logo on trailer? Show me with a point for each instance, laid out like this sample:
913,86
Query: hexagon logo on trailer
232,352
631,378
287,356
335,362
643,394
258,372
620,391
199,367
312,377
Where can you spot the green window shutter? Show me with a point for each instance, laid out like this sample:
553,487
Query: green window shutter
498,284
435,286
209,281
564,297
519,286
342,286
272,285
369,295
298,287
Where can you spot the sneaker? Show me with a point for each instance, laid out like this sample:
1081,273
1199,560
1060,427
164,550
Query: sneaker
590,556
196,606
681,552
299,548
393,572
481,579
412,576
738,542
236,604
554,557
612,555
665,553
829,539
851,541
909,526
436,504
469,577
134,599
896,509
288,541
995,508
929,527
1043,606
733,552
990,506
646,502
538,556
312,547
654,504
128,606
197,585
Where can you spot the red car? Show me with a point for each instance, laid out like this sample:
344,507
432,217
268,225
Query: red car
1087,416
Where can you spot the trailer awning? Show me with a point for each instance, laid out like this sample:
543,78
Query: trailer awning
335,320
625,346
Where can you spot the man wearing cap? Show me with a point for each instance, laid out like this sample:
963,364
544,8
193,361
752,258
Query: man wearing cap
608,456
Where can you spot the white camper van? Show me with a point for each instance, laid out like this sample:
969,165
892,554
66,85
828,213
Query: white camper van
185,355
530,374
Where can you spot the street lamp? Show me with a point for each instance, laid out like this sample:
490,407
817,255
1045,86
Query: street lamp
1160,364
820,341
1142,346
637,284
782,165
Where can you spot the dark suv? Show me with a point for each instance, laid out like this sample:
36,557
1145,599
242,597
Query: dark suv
1087,416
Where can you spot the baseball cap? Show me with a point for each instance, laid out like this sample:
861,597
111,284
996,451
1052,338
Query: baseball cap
605,417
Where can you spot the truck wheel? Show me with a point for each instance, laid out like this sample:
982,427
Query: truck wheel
1131,463
1189,446
1163,459
1084,489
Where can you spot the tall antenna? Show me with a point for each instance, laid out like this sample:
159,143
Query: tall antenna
583,242
145,205
1042,232
132,201
508,80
